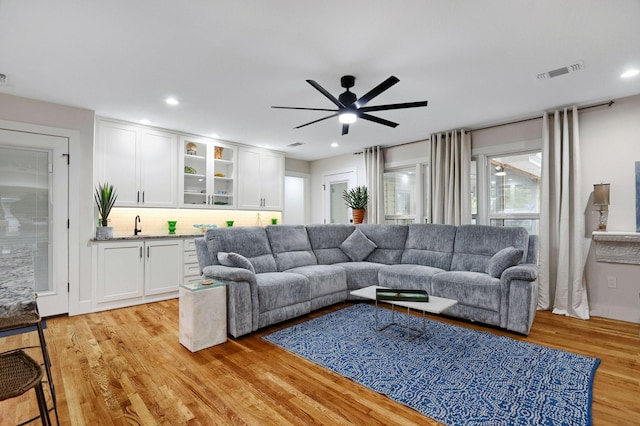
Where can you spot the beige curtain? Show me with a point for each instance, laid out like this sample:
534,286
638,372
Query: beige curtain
561,280
449,191
374,169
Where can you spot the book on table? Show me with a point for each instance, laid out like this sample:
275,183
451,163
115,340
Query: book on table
389,294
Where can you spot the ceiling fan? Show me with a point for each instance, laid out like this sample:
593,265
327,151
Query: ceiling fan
350,108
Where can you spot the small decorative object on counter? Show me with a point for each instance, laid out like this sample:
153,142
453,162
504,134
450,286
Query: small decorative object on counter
229,223
172,226
190,170
274,220
192,149
204,227
105,197
217,154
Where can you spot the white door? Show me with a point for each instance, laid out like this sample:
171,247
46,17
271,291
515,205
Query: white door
334,185
34,216
117,161
249,185
164,266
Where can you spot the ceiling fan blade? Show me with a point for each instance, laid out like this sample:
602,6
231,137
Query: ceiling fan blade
315,121
394,106
376,91
378,120
345,129
308,109
327,94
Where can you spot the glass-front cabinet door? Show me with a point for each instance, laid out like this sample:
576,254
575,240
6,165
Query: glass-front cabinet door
207,170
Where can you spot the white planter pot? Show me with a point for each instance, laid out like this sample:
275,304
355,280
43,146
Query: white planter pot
104,232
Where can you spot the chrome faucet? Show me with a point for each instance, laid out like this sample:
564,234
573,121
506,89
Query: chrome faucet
136,231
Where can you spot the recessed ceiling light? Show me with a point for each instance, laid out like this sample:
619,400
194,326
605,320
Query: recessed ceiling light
145,121
335,145
172,101
630,73
215,135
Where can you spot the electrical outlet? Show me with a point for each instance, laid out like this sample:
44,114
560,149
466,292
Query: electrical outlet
612,282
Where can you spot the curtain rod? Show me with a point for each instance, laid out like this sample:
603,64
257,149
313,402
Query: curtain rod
610,103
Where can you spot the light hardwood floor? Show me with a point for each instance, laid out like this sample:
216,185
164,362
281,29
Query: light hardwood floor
126,366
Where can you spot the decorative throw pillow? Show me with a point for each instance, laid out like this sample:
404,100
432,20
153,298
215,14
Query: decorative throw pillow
505,258
235,260
357,246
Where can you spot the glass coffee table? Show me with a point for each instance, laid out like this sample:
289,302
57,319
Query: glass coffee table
435,305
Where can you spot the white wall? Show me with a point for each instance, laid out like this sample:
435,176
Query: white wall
610,146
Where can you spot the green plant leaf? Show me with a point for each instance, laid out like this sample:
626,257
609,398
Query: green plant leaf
105,197
356,198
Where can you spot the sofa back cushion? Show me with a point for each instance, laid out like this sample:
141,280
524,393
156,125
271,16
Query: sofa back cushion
290,246
430,245
390,240
476,244
325,242
248,241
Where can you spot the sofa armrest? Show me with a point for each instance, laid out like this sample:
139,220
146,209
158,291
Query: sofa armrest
228,273
526,272
242,300
519,291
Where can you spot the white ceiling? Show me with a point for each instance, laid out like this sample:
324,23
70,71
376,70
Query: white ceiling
227,62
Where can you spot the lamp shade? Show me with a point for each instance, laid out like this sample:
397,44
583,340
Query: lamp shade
601,194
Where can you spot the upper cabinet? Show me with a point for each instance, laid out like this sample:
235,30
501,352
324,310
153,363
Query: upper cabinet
260,180
208,173
140,163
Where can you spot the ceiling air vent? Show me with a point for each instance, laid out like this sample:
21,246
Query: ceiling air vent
295,144
577,66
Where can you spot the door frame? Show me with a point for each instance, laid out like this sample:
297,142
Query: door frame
73,199
326,182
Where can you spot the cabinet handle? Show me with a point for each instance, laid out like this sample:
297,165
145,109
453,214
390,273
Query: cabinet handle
208,199
147,252
140,252
142,197
138,197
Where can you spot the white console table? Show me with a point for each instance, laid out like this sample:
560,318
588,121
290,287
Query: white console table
617,247
203,314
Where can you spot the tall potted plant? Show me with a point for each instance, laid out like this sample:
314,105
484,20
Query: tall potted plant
356,198
105,198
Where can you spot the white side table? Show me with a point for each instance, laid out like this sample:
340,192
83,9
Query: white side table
203,314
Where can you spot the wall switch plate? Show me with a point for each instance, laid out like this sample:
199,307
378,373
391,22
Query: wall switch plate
612,282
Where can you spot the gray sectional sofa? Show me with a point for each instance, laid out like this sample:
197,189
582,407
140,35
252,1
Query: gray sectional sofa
281,272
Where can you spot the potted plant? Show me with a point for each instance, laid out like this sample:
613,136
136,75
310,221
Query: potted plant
105,197
356,198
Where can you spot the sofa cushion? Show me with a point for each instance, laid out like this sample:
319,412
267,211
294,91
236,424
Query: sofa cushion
280,289
361,274
390,240
236,260
357,246
291,247
475,289
476,244
323,279
429,245
325,241
407,277
505,258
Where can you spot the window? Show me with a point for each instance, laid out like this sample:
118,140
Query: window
404,199
514,190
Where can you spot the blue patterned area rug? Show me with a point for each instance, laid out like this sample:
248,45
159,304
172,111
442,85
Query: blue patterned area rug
452,374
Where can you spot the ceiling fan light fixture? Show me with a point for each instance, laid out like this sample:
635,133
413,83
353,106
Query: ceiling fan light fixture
347,117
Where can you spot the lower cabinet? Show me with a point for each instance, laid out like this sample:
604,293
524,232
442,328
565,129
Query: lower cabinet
132,272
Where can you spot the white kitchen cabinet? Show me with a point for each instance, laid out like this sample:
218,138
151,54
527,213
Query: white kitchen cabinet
208,173
133,272
141,163
260,180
